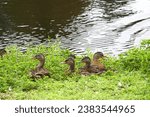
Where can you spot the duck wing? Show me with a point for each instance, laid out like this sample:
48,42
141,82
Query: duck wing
99,64
34,74
94,69
43,72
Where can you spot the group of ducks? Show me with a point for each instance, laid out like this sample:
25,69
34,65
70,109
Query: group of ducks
90,67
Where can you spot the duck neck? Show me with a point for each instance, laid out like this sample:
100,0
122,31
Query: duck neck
88,64
95,59
72,67
41,64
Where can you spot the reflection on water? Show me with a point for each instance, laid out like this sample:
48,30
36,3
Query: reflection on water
35,20
49,15
112,26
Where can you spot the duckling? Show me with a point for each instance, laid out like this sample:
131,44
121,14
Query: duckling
88,68
39,71
71,62
2,52
96,61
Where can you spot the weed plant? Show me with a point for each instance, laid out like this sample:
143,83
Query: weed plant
127,77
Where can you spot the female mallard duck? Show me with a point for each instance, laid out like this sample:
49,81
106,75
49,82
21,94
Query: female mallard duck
96,61
88,68
39,71
71,62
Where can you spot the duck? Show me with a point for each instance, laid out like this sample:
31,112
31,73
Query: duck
96,61
71,62
89,68
2,52
39,71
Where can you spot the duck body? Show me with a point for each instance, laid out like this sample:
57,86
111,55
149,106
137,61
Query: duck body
39,71
99,65
89,68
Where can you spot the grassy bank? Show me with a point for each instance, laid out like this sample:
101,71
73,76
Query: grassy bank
128,77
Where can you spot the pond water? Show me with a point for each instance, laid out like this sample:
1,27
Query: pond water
110,26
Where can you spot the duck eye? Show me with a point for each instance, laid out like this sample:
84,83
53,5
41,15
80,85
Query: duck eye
37,56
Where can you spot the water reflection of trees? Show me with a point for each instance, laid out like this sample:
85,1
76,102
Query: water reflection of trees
5,23
49,15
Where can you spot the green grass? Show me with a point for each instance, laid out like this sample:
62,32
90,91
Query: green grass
128,77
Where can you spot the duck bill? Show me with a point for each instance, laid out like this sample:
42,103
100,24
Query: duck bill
33,58
63,63
105,56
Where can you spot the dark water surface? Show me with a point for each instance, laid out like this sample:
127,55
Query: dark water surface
111,26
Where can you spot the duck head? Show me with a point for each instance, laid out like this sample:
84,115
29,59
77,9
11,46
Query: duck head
72,56
87,61
39,57
98,55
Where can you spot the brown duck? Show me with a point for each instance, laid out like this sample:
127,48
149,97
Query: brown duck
39,71
88,68
96,61
71,62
